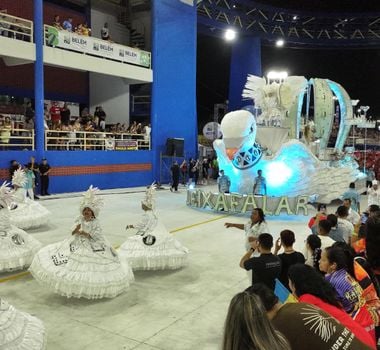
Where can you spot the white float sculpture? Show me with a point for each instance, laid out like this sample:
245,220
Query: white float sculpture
291,149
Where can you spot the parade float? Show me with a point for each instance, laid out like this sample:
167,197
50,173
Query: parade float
295,132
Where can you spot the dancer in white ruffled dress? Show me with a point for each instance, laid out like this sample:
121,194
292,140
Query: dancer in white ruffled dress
152,247
84,265
19,330
17,248
27,214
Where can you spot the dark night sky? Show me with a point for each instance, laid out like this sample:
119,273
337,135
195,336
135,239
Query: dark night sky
357,70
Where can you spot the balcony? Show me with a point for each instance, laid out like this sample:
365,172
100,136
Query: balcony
72,51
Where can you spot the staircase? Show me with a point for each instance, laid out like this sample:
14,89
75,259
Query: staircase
137,36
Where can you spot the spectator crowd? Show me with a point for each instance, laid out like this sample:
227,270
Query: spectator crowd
326,297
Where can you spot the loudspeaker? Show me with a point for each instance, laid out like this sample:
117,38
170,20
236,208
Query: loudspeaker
174,147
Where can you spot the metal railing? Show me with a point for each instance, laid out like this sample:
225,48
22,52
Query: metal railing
94,140
11,139
16,27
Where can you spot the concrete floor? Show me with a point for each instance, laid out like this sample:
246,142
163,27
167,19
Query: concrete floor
174,310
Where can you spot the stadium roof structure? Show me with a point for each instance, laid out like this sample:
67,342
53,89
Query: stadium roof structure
299,23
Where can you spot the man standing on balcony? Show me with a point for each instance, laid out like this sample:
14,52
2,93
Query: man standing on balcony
68,24
100,115
55,114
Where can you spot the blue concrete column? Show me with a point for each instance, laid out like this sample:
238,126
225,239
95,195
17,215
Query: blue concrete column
39,78
245,59
174,40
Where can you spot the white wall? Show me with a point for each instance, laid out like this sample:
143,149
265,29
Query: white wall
112,93
118,32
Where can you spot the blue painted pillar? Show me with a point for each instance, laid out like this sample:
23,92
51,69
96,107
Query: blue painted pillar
174,40
39,78
245,59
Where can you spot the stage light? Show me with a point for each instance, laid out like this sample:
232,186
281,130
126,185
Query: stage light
295,17
273,75
230,35
280,43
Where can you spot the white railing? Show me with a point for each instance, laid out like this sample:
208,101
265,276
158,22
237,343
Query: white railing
88,45
15,27
94,140
17,139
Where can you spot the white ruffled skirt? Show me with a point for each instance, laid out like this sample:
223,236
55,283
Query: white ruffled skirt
17,249
29,215
168,254
19,330
81,268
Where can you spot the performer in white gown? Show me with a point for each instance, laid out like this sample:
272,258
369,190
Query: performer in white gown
17,248
19,330
83,265
27,214
152,247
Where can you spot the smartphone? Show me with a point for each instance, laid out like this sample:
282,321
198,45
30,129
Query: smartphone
364,218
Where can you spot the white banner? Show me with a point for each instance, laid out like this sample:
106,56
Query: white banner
96,47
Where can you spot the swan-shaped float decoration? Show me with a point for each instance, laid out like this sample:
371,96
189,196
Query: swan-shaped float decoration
292,170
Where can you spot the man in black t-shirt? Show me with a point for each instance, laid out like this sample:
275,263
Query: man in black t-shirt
266,267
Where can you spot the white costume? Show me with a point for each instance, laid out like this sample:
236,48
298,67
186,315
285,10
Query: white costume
17,248
152,247
373,195
27,214
82,266
19,330
254,231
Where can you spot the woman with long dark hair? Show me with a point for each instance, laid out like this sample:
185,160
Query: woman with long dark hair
247,326
253,228
309,286
313,251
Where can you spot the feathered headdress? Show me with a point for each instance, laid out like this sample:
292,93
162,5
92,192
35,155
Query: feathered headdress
92,201
19,178
149,200
6,195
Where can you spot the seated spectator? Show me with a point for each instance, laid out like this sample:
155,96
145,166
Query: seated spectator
104,32
341,276
313,251
289,257
344,228
310,287
306,326
68,24
266,267
314,221
248,327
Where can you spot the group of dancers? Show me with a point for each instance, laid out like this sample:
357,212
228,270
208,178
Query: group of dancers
84,265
